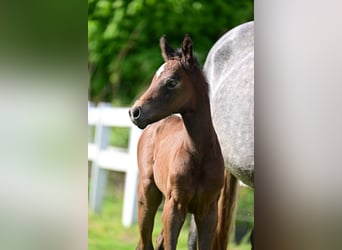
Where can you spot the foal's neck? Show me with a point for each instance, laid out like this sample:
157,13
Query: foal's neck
200,130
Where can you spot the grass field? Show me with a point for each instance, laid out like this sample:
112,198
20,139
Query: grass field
105,231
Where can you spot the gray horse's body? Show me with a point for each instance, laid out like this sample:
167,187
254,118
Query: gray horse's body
229,69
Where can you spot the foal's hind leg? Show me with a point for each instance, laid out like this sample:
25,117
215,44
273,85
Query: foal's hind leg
160,241
206,227
149,199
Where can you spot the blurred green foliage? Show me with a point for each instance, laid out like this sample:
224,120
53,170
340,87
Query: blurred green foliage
123,39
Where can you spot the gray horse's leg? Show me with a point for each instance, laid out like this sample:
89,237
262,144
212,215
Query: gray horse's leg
192,237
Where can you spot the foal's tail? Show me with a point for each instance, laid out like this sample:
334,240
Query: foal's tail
226,211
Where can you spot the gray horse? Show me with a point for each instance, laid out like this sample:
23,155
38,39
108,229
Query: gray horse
229,69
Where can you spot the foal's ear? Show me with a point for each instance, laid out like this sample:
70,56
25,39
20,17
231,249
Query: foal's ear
167,51
186,48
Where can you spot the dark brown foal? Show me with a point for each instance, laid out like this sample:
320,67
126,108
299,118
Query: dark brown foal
179,157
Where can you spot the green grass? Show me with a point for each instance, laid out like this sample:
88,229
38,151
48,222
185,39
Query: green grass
105,231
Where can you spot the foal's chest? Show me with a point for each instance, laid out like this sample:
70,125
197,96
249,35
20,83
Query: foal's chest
182,172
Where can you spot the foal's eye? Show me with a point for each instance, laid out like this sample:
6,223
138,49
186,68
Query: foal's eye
172,83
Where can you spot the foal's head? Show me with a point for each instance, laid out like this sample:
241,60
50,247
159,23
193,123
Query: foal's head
177,86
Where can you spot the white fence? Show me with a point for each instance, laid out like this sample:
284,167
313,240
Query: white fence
105,157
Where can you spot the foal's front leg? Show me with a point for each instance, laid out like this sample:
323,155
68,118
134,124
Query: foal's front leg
149,199
174,214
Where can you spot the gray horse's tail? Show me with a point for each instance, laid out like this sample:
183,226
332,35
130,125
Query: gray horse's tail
226,211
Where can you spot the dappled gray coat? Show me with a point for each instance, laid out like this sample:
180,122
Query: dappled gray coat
229,69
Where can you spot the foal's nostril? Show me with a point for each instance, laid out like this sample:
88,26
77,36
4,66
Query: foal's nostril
136,113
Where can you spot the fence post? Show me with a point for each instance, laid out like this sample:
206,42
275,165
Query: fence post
98,174
130,211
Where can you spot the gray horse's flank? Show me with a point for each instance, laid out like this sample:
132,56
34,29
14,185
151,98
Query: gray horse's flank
229,69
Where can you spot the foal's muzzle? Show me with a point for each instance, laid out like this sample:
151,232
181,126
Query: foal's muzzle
135,115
